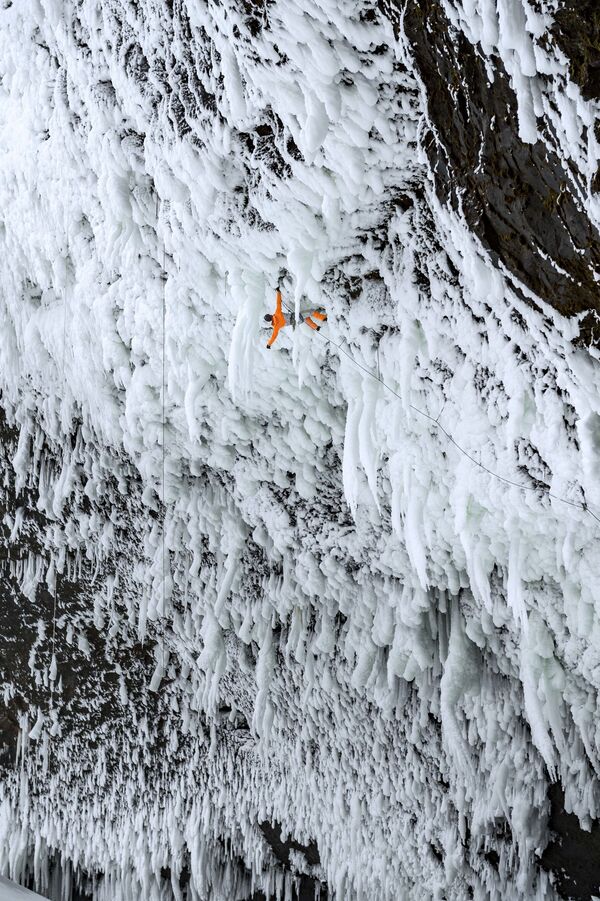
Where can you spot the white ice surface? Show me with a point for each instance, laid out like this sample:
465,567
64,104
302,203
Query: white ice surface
10,891
414,642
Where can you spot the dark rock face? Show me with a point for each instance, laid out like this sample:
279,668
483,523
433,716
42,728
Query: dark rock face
308,886
516,197
576,30
573,855
281,849
42,623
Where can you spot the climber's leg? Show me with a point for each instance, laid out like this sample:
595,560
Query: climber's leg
322,317
312,324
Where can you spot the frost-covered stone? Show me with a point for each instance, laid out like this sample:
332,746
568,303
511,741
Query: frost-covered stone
323,616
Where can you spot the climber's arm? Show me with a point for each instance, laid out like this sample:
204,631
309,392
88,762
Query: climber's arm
274,334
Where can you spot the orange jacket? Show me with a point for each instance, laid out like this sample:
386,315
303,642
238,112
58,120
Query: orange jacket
279,321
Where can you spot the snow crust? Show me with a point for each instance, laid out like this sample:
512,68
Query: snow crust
10,891
411,641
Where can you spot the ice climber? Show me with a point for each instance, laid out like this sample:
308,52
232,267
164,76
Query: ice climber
278,320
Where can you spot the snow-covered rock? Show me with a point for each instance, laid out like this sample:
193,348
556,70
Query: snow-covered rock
344,588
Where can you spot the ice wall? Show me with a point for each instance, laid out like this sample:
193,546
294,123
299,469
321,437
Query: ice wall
347,587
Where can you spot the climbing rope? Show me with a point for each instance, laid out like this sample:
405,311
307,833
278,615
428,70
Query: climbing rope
163,392
53,657
435,422
53,661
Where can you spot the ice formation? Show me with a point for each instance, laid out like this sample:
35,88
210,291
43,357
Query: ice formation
346,586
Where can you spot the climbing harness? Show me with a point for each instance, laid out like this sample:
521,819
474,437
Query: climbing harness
279,321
